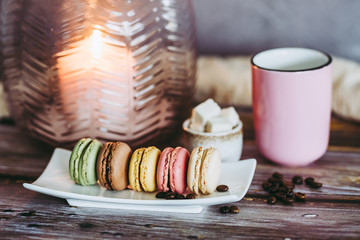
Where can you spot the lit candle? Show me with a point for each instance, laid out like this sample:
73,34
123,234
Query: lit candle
95,81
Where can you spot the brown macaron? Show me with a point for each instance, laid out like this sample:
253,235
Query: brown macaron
112,165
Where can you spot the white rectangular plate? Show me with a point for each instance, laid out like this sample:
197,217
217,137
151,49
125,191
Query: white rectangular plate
55,181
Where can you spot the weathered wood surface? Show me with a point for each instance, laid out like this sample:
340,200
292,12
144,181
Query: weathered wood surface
331,212
26,214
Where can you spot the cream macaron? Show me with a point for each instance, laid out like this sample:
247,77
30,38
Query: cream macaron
204,170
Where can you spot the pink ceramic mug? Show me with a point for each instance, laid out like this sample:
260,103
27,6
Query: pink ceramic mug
292,104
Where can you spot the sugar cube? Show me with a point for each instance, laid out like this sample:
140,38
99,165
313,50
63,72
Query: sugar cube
204,111
231,115
218,124
197,127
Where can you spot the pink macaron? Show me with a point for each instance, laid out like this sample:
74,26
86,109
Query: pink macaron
172,170
162,175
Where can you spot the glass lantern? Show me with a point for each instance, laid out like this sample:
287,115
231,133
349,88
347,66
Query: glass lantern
115,70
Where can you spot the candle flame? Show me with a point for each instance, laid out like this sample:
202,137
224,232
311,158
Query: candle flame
96,40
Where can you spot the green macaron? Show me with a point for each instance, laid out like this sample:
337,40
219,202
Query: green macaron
82,162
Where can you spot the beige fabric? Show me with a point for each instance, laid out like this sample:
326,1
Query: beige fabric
228,81
346,89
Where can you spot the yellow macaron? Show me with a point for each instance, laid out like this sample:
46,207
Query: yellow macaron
148,167
142,169
134,169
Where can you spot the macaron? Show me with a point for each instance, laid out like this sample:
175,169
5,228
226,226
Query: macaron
162,175
112,165
204,170
172,170
148,168
82,163
134,169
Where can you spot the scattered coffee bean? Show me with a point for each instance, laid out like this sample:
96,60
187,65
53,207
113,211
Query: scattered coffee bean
190,196
287,184
280,195
284,189
234,209
222,188
274,188
299,196
168,193
161,195
316,185
297,179
179,196
224,209
281,189
227,209
271,200
266,185
170,196
274,180
290,194
277,175
309,180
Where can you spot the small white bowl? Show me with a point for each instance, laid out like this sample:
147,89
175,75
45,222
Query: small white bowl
229,143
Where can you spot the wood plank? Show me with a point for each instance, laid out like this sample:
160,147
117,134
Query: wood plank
26,214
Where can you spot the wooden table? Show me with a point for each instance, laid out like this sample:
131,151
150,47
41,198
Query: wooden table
331,212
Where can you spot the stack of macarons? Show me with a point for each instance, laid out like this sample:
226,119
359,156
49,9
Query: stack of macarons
148,169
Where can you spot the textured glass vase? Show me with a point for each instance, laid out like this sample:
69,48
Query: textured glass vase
113,70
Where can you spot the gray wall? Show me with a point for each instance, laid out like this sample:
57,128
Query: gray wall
232,27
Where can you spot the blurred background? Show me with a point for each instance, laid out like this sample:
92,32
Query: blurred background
231,27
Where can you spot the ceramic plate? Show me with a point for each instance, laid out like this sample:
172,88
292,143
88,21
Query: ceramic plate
55,181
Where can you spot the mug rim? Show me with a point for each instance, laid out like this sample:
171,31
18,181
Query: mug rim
328,62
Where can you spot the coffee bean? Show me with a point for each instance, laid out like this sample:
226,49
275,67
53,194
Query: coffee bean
290,194
284,189
271,200
170,196
161,195
299,196
224,209
287,184
274,188
179,196
277,175
168,193
190,196
274,180
266,185
280,195
234,209
309,180
316,185
297,179
222,188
